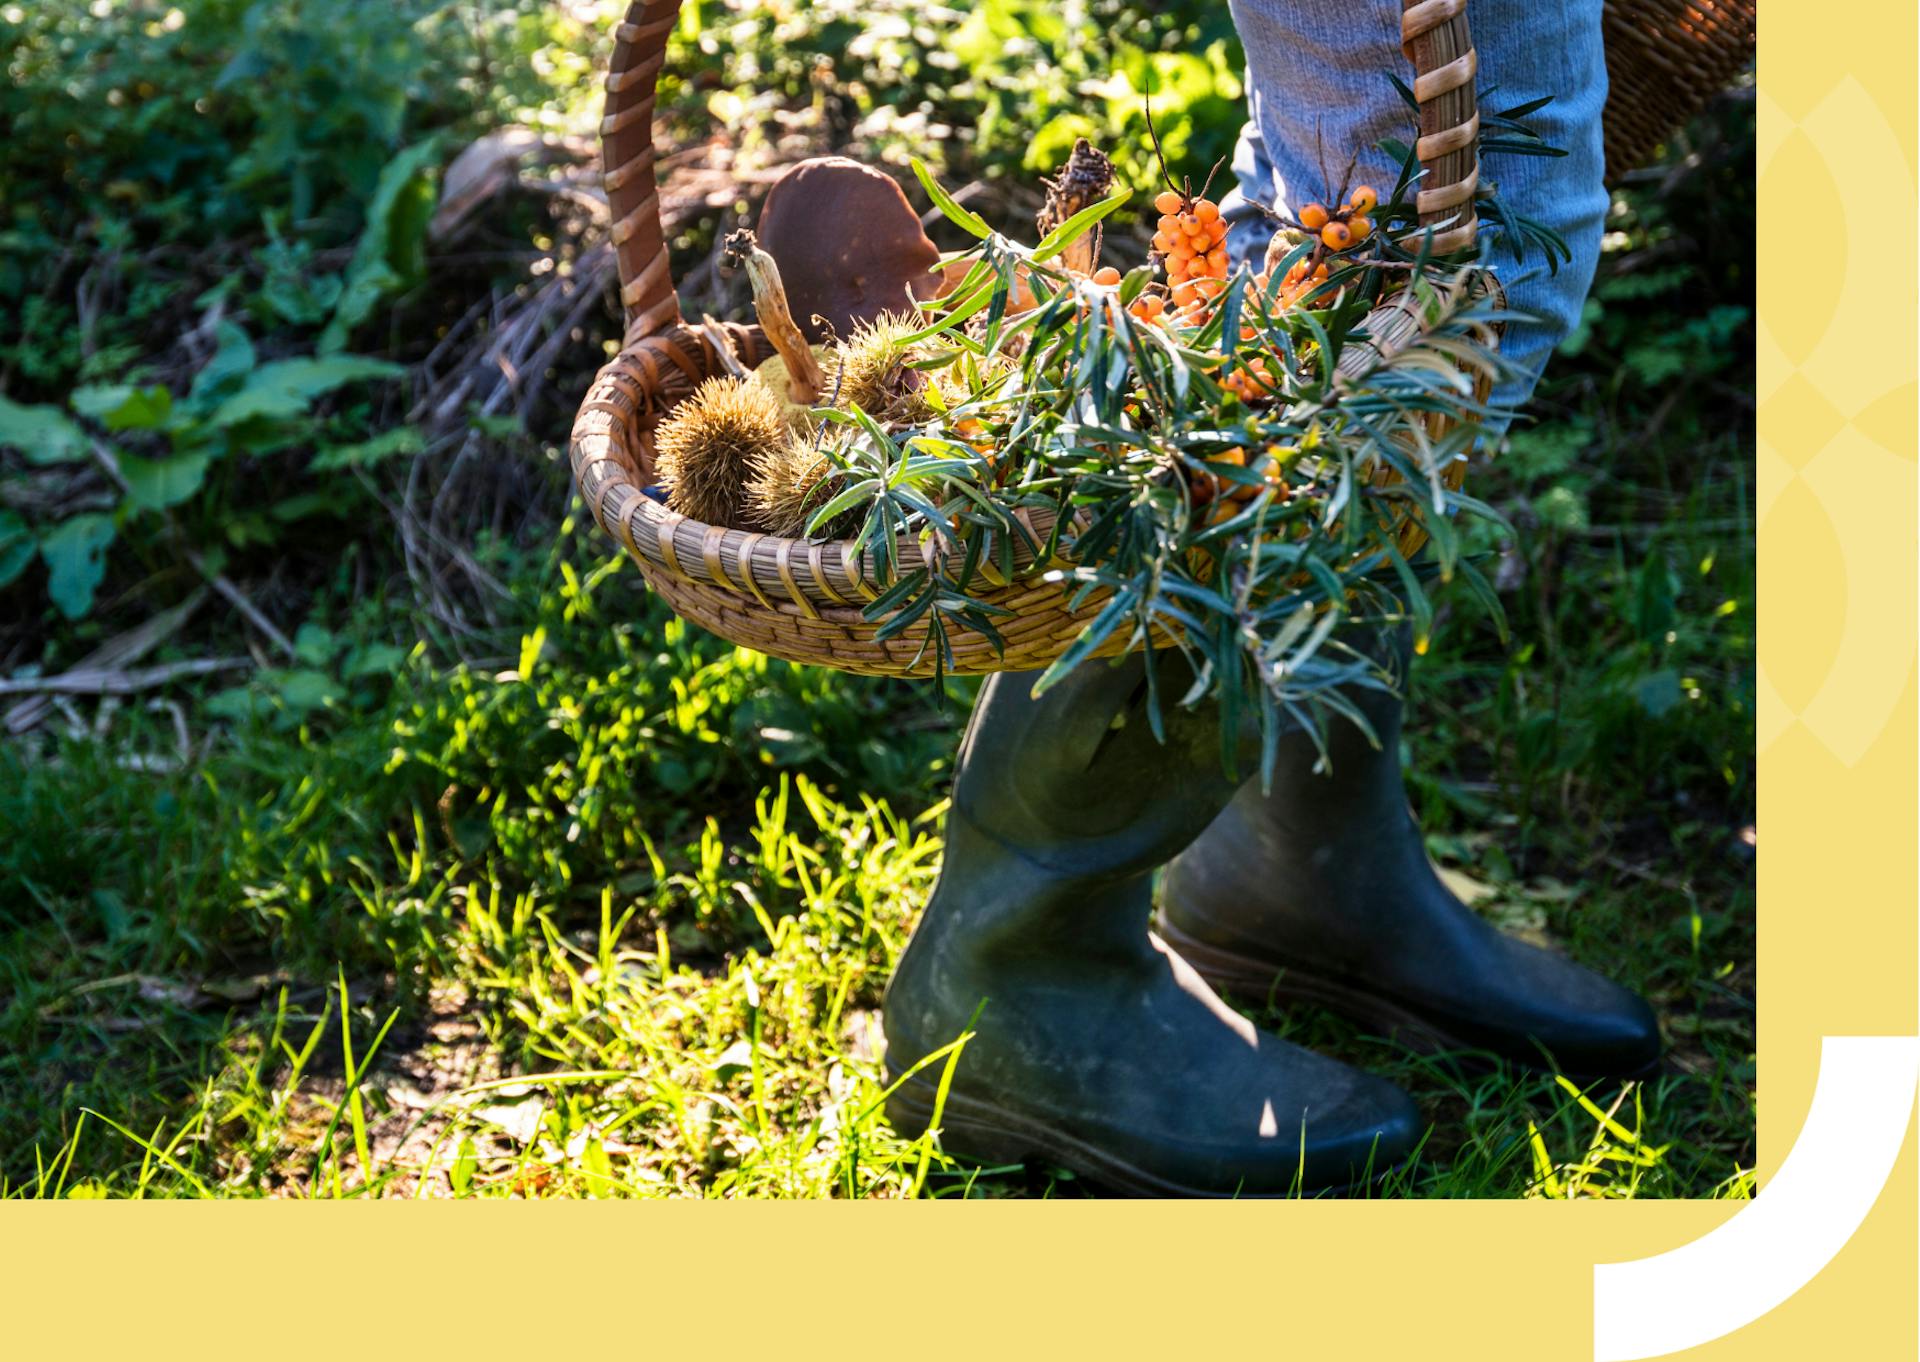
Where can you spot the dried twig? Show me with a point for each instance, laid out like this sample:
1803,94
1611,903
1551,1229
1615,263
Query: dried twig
237,598
116,652
96,681
722,347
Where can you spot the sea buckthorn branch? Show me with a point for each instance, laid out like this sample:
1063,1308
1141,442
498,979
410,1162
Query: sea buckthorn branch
1208,469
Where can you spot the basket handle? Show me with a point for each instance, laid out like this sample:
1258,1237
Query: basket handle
1435,37
627,154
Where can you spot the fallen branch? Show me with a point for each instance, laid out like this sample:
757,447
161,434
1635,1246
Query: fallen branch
115,653
98,681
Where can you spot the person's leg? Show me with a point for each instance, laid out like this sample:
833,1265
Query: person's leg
1317,81
1321,890
1091,1046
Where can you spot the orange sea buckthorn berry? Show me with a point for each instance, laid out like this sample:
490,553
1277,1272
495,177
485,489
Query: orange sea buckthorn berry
1313,217
1217,261
1243,492
1106,274
1361,227
1167,201
1364,198
1200,488
1206,210
1336,236
1168,223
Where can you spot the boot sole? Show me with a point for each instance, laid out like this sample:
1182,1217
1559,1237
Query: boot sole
1250,977
986,1133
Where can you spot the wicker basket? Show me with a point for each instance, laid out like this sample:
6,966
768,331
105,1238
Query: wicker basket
1665,60
801,599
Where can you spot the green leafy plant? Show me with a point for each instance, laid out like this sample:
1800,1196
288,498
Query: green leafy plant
154,452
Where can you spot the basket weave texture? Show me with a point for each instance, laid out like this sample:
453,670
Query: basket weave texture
801,599
1665,60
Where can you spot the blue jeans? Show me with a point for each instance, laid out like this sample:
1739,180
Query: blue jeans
1319,68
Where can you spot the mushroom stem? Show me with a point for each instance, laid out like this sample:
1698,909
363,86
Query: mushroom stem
804,378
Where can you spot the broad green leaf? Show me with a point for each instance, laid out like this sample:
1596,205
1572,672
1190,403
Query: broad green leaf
286,387
1658,692
17,546
314,644
155,484
389,254
387,444
236,702
42,434
233,359
121,406
75,555
303,690
375,659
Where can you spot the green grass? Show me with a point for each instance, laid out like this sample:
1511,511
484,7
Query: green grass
616,921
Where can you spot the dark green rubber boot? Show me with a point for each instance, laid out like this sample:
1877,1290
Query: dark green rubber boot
1094,1047
1322,892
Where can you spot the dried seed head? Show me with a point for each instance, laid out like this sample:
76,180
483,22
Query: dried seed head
705,450
789,484
870,369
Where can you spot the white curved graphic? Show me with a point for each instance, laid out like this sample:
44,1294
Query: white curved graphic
1801,1218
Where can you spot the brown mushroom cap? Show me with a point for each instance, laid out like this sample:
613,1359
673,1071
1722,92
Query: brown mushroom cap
849,245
